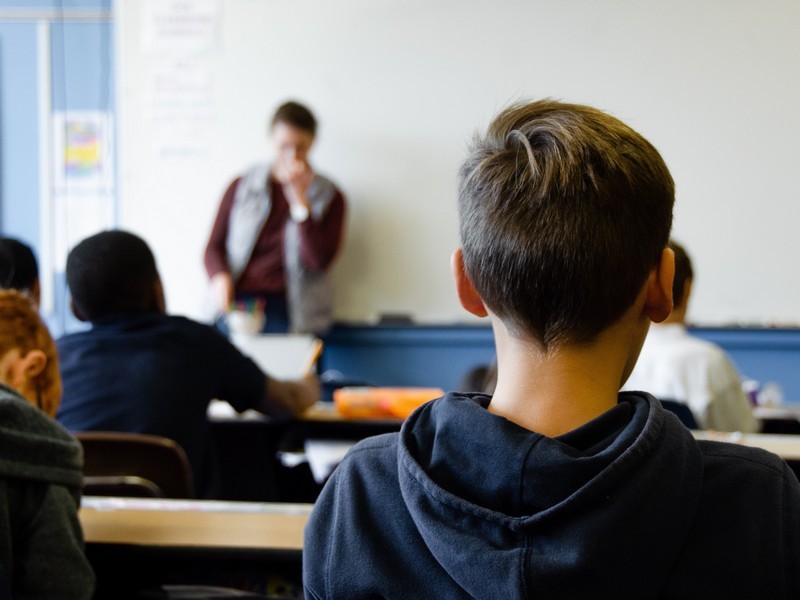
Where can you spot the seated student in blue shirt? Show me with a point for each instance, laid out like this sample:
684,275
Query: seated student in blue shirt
140,370
557,486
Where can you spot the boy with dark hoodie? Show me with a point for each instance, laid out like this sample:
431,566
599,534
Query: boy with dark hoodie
557,486
41,544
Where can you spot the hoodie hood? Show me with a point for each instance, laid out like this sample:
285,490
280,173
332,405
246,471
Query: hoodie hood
561,516
34,447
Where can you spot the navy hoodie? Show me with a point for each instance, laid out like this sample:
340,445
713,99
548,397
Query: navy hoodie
463,503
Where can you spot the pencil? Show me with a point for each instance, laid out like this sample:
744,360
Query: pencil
312,356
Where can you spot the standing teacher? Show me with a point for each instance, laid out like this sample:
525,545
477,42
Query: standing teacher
278,229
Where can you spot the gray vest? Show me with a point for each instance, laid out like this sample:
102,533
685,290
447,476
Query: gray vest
308,292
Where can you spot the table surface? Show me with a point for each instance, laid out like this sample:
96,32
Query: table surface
320,412
194,523
786,411
326,412
785,446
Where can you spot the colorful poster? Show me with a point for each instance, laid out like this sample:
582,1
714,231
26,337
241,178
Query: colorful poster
83,151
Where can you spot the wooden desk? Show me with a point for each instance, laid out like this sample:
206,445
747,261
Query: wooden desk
325,412
785,446
193,523
321,412
137,545
322,421
788,411
781,419
247,446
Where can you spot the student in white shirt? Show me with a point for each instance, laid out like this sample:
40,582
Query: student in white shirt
675,365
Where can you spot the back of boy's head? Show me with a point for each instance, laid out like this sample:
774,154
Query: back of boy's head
22,328
111,272
564,210
18,267
683,272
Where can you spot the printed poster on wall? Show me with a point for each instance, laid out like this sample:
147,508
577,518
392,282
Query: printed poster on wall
84,158
179,27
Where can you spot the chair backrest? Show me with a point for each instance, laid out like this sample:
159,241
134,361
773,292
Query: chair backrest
134,464
682,411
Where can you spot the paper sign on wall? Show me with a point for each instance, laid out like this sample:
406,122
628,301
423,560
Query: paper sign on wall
83,146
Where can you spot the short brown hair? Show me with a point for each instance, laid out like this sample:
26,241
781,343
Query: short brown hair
21,327
683,272
563,212
295,114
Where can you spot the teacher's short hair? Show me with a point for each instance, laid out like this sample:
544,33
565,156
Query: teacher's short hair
297,115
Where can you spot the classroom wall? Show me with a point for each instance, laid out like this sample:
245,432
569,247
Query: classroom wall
56,68
399,86
19,129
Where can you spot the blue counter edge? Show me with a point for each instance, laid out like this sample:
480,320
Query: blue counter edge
440,355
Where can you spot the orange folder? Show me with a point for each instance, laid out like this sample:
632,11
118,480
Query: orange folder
381,402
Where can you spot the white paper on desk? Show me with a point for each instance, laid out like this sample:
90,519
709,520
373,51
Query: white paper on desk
222,411
282,356
325,455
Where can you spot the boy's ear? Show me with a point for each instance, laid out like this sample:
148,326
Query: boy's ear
33,363
76,311
658,304
467,294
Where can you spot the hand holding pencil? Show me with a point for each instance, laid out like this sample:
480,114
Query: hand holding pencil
295,395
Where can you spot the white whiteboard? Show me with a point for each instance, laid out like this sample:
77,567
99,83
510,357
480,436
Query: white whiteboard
399,87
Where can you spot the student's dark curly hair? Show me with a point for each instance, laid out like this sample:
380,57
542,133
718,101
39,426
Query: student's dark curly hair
111,272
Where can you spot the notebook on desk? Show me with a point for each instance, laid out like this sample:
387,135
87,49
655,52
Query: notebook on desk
282,356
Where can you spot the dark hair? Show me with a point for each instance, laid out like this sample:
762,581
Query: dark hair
18,267
563,210
683,272
296,115
111,272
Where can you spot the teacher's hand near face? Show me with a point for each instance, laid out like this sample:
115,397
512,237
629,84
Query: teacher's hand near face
297,181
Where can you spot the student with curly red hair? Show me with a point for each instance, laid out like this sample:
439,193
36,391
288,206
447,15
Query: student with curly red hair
28,357
41,548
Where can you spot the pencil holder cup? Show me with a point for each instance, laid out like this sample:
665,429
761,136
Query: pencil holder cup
249,323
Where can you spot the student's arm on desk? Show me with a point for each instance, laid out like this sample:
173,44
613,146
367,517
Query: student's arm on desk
285,398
